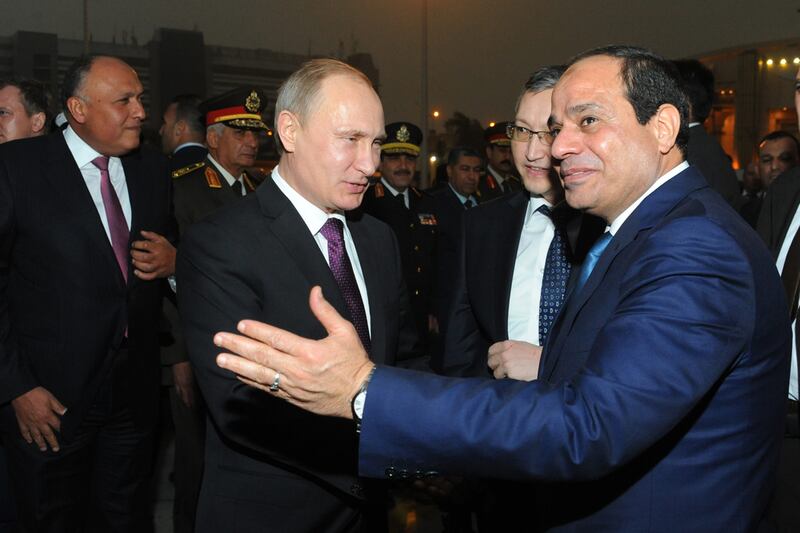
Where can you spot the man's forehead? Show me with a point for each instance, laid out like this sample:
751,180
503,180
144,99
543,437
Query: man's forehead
594,74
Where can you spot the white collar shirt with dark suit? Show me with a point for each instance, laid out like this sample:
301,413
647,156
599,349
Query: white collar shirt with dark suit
259,259
661,394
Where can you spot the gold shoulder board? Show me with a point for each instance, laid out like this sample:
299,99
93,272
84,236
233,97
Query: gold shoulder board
185,170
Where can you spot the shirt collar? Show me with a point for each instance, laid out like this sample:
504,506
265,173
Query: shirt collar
186,145
617,223
225,174
313,217
392,190
460,196
80,149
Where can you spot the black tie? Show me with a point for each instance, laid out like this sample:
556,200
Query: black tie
237,187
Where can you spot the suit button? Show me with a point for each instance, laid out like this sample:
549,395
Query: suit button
411,226
403,474
419,269
357,490
390,472
416,248
416,292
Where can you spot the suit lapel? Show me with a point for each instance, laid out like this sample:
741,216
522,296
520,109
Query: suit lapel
288,227
137,194
786,221
67,183
648,213
507,234
375,289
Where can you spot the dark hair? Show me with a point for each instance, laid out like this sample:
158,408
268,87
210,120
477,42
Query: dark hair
74,79
698,84
650,82
542,79
187,109
461,151
780,134
34,94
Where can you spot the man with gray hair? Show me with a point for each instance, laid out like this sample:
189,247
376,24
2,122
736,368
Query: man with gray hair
266,460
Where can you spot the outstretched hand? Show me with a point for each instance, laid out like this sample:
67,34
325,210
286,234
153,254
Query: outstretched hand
318,376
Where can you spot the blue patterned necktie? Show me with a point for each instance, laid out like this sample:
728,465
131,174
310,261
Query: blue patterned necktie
591,259
554,280
342,270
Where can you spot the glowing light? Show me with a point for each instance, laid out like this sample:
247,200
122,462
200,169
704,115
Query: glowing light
491,124
435,114
433,159
796,60
784,62
770,62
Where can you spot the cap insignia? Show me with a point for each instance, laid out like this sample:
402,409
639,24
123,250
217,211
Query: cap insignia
403,134
253,102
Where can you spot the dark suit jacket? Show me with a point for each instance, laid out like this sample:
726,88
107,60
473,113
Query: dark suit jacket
449,216
663,393
778,208
64,304
257,259
488,252
489,188
705,153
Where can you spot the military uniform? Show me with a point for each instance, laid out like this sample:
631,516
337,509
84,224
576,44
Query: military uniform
200,188
415,226
489,186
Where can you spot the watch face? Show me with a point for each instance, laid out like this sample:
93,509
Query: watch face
358,404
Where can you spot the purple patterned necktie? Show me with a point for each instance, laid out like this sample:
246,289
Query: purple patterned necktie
117,226
333,231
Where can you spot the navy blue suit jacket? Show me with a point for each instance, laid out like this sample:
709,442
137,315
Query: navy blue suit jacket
663,385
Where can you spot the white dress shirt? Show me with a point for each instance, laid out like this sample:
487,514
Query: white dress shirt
83,155
315,218
227,175
395,192
787,241
461,198
526,283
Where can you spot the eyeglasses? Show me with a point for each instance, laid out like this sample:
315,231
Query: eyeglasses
522,134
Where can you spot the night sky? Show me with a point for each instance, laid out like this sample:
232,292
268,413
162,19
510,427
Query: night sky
480,52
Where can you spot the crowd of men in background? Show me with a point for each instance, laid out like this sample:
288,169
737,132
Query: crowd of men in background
474,255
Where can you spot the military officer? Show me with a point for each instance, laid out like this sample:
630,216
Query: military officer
233,121
500,177
409,211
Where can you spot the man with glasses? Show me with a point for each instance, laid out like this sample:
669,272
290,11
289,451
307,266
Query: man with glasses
517,255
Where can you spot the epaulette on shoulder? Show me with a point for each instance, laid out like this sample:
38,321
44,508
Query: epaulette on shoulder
185,170
415,191
380,192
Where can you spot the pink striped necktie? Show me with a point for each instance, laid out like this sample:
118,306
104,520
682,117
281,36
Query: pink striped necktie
116,218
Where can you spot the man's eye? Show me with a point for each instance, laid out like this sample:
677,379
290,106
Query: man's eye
588,121
554,132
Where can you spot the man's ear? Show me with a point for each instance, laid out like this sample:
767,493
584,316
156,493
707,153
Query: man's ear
38,123
180,127
212,139
77,108
666,123
288,129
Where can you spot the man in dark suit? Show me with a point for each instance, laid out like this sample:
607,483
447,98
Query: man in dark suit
704,152
499,178
778,225
411,215
267,460
79,310
661,394
464,166
516,255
